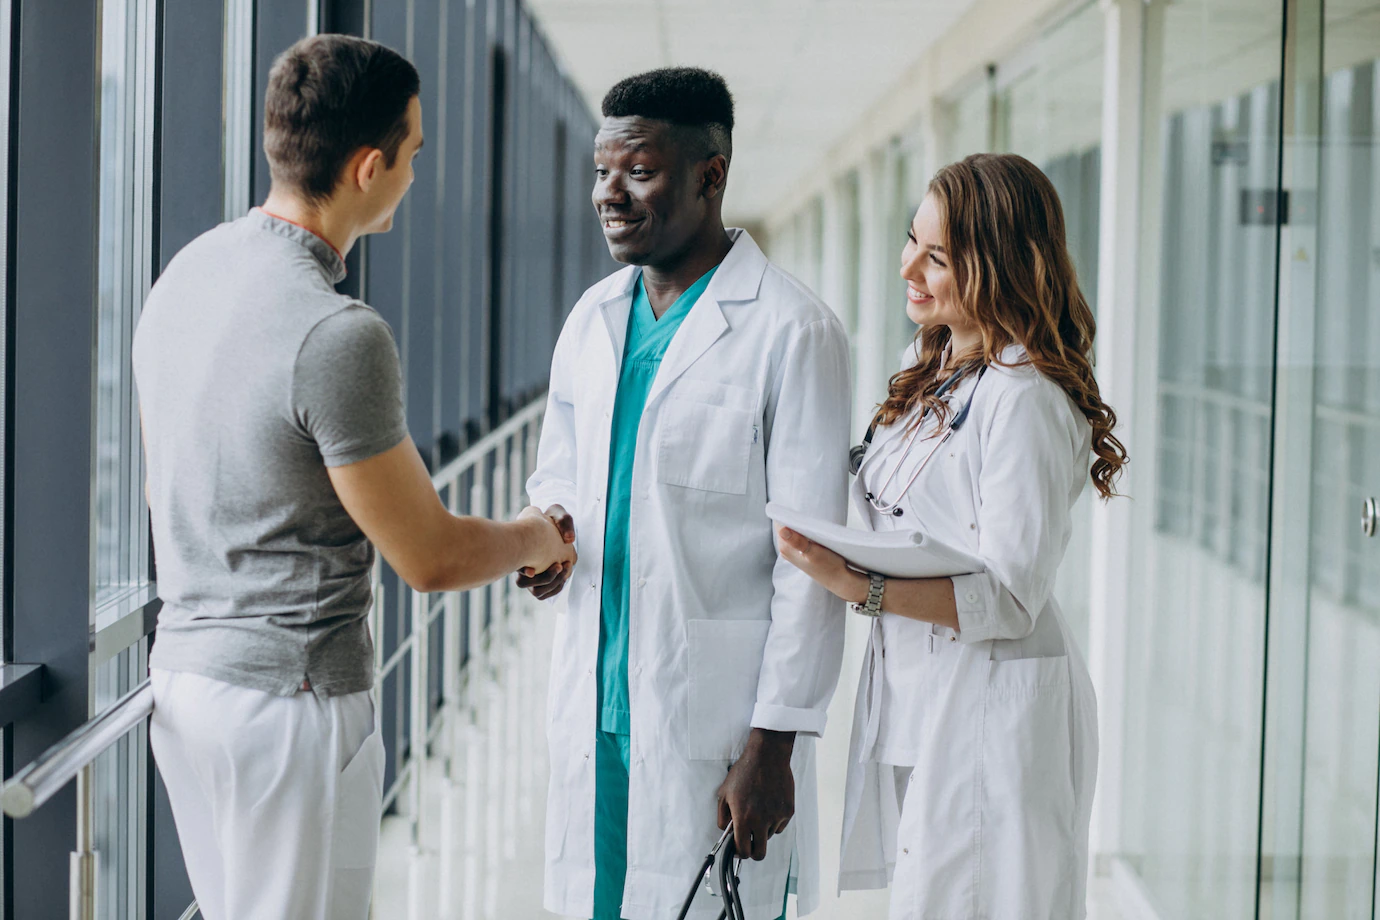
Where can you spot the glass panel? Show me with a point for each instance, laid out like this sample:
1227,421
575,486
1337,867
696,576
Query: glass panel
1342,729
128,37
118,790
1052,115
1196,628
126,254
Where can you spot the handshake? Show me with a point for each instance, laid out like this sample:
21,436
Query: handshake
554,553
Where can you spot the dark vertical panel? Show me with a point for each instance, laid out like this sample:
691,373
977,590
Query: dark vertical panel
189,177
452,302
420,230
277,25
479,70
345,16
498,203
53,300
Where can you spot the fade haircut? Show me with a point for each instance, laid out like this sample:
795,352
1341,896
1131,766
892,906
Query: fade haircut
328,96
695,100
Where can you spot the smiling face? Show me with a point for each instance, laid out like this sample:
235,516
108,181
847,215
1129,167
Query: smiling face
647,191
932,296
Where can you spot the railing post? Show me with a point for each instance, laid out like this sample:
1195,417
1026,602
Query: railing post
450,791
421,657
82,883
475,684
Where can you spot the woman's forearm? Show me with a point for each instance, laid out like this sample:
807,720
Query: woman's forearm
930,600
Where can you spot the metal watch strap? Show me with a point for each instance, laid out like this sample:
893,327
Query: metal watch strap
872,607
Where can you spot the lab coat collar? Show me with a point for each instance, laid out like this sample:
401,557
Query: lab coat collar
738,279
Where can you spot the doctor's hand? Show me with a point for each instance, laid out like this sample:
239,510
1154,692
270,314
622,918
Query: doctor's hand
823,565
759,794
551,581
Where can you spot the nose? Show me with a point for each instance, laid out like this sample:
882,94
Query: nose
609,191
912,264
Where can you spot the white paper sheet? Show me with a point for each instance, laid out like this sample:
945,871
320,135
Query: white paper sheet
895,554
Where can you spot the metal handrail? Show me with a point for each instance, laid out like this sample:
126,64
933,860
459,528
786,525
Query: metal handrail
34,785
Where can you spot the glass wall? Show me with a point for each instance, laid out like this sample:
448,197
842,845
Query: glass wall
128,35
1195,650
126,257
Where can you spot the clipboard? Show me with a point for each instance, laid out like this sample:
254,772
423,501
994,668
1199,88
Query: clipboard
895,554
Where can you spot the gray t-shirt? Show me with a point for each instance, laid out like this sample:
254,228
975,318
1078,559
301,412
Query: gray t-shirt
254,376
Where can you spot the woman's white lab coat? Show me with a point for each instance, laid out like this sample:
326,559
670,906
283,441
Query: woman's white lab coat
751,404
993,823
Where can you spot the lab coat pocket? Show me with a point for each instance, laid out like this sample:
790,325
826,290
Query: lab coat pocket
706,447
1027,816
724,661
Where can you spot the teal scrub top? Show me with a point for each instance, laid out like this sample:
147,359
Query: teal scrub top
647,341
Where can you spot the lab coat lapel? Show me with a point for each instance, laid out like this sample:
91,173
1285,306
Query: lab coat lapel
615,312
738,279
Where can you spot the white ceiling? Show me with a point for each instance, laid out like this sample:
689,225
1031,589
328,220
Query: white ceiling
802,72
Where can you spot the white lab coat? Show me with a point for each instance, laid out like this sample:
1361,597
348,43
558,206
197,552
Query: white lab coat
993,824
750,405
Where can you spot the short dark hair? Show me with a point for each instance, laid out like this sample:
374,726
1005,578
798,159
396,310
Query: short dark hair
689,97
328,96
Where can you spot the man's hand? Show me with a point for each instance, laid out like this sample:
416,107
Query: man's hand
759,794
549,583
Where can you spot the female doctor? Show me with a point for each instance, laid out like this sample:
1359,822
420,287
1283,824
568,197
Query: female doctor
974,744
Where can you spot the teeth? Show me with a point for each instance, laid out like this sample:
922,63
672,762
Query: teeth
615,224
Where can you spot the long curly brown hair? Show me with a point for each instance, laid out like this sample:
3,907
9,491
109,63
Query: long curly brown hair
1004,232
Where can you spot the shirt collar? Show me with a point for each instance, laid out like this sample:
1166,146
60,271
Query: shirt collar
330,259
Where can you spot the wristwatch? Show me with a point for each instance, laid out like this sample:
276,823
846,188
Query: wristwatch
872,607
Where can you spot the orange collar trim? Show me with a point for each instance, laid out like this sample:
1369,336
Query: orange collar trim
308,229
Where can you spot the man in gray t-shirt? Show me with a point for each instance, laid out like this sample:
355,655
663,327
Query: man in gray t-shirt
278,457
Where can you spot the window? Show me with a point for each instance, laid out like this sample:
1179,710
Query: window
126,258
126,253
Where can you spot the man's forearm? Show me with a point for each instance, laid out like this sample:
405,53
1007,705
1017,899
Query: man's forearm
479,551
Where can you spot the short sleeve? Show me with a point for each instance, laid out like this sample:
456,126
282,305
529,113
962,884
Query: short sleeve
347,387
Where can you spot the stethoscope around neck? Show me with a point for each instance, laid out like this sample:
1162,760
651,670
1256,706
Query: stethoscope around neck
858,453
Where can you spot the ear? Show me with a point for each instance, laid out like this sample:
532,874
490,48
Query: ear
365,167
713,176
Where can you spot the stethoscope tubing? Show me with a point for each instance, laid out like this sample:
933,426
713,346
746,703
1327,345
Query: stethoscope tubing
955,423
727,856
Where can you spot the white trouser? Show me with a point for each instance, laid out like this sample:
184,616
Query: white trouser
276,798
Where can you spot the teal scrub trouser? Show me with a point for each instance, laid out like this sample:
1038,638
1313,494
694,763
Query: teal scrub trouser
611,759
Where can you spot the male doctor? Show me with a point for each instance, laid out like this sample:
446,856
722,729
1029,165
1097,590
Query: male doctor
693,669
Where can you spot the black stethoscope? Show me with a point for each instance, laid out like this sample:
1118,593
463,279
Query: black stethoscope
727,856
856,455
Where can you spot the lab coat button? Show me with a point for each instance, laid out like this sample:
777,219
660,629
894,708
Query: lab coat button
642,582
971,597
906,851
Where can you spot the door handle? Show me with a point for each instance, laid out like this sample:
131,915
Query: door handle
1369,513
